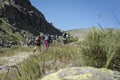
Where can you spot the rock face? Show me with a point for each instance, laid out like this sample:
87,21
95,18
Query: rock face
20,16
83,73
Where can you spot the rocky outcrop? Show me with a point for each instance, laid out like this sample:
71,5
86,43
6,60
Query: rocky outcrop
19,15
83,73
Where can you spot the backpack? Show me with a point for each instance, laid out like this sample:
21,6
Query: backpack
64,37
36,38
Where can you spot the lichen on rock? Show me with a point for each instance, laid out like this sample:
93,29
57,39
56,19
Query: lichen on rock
83,73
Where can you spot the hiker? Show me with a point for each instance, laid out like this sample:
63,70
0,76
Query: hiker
38,42
64,38
47,41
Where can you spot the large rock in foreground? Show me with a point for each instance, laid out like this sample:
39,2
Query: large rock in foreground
84,73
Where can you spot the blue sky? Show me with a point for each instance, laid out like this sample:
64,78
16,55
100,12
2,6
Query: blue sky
77,14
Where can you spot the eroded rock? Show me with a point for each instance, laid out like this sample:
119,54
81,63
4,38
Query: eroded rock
83,73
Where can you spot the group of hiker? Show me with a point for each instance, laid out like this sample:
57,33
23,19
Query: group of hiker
46,40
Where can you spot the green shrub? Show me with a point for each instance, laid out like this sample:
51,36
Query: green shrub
100,47
71,39
92,49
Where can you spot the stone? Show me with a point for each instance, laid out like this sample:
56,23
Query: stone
83,73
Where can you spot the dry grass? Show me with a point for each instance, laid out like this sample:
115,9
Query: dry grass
98,49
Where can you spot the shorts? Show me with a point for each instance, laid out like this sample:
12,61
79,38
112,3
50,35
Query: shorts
38,44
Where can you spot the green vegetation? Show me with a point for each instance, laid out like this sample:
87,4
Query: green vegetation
71,39
37,65
14,50
100,48
6,33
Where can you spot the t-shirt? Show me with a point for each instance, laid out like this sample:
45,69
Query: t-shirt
46,38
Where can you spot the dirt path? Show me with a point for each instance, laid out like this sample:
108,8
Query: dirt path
7,62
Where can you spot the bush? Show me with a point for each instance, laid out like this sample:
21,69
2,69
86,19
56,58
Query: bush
71,39
99,48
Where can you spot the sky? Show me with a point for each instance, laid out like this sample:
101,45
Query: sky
77,14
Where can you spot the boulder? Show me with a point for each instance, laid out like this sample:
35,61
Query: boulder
83,73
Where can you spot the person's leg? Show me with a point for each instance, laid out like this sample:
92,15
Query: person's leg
35,48
62,42
65,42
39,47
46,45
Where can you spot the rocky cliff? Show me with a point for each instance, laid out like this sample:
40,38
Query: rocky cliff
20,16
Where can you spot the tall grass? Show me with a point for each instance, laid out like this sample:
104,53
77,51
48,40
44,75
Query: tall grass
40,64
14,50
101,48
98,49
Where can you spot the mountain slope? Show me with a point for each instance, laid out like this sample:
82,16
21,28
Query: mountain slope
19,16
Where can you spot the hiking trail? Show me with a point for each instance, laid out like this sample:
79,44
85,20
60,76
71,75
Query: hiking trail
8,62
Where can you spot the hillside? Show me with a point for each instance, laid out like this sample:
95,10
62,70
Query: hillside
81,33
97,57
20,21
